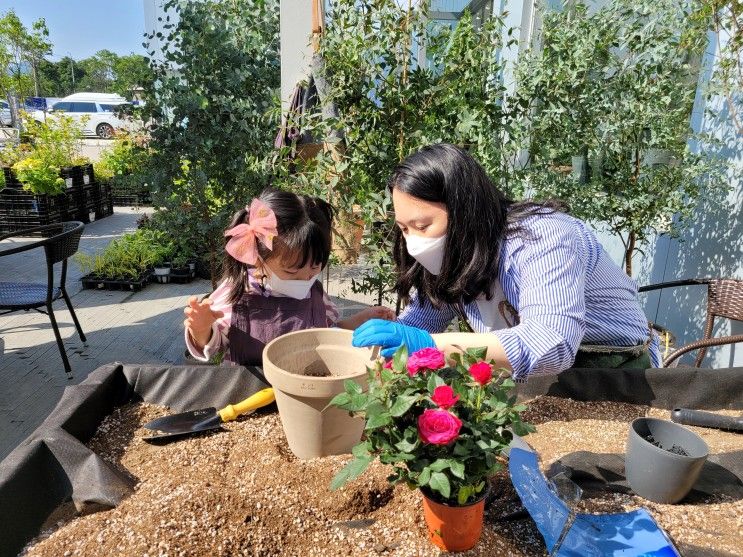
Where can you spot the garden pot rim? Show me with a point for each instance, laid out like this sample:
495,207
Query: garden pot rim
480,498
310,386
677,427
323,379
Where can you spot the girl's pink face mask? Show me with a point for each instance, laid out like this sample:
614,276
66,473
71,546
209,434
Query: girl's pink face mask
261,227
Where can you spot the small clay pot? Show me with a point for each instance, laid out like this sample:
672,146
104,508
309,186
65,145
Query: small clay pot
307,369
665,473
453,527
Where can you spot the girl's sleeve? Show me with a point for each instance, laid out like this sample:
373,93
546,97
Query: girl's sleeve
220,328
331,311
424,316
551,303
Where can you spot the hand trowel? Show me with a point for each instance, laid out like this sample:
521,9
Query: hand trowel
195,421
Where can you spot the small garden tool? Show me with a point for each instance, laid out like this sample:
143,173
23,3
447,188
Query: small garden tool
707,419
195,421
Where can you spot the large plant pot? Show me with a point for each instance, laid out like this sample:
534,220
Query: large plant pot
656,473
307,369
454,528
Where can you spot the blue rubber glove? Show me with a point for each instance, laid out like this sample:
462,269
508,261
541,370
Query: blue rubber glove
391,335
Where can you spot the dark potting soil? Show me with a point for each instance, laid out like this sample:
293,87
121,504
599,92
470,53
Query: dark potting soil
675,449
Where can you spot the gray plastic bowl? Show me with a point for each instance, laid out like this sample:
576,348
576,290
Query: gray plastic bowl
655,473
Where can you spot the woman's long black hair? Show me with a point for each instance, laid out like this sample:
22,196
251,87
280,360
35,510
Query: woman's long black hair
304,235
479,217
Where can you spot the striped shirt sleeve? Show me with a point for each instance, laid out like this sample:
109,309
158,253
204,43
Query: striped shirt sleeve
551,302
425,316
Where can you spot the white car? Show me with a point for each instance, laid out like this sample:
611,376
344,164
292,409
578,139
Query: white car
101,110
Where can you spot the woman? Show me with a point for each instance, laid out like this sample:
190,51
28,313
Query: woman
532,283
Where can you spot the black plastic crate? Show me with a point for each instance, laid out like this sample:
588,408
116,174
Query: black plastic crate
103,200
21,210
92,281
11,180
88,174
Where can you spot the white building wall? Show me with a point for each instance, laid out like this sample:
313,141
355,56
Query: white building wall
155,18
296,51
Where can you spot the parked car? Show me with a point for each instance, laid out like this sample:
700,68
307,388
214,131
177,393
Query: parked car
5,119
103,112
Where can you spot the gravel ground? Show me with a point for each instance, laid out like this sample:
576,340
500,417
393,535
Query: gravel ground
243,493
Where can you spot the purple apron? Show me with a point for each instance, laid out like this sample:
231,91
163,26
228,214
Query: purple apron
258,319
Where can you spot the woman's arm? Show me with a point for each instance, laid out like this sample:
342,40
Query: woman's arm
452,343
551,302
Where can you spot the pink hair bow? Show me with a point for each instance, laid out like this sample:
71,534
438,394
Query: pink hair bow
261,226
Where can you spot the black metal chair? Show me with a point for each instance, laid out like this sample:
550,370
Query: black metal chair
60,241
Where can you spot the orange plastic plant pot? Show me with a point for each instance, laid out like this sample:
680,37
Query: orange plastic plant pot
454,528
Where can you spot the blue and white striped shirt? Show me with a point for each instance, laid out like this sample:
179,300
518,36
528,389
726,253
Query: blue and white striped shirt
566,290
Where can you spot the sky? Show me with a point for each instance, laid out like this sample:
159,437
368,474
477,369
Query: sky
80,28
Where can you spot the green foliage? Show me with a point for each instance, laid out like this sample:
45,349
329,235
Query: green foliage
128,257
455,473
216,78
57,140
616,86
21,49
725,19
38,176
122,165
389,106
52,145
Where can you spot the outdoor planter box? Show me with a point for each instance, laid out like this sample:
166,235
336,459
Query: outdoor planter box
125,195
93,281
21,210
53,464
11,180
181,275
103,200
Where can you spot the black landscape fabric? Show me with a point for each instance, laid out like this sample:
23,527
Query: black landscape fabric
53,464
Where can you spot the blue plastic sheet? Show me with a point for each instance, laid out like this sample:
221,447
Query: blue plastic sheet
569,534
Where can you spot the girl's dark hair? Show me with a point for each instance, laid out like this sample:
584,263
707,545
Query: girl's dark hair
479,217
304,227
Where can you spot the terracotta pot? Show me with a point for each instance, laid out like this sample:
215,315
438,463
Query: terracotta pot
454,528
307,369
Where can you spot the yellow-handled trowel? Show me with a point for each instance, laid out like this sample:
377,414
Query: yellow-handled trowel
195,421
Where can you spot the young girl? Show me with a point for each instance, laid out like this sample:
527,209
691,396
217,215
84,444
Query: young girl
275,251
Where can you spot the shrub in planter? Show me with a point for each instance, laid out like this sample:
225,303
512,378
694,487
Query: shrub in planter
128,258
442,427
38,176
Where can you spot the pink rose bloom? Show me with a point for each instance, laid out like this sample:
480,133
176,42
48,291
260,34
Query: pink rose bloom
427,358
444,397
388,364
481,372
438,427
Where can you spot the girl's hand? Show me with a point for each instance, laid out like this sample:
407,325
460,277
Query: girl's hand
199,319
376,312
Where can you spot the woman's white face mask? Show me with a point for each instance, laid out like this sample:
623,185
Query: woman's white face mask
297,289
429,252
